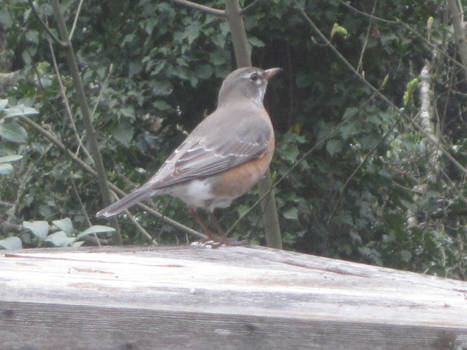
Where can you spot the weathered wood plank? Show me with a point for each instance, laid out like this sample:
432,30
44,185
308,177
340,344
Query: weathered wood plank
226,298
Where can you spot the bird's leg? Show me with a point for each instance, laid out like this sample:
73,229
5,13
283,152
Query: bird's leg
220,230
223,238
200,222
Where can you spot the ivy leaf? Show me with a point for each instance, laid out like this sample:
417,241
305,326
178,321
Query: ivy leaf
333,147
6,168
350,112
11,243
3,103
203,71
32,36
161,105
406,256
123,133
255,42
13,132
291,213
290,153
40,229
64,225
95,229
60,239
10,158
349,130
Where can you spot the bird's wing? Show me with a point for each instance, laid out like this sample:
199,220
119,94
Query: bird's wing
215,146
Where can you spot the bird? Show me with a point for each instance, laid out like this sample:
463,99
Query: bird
223,157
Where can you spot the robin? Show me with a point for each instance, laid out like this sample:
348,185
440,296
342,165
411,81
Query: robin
223,157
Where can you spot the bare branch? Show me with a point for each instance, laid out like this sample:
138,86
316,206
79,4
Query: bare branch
83,208
78,11
65,101
203,8
140,228
101,91
47,29
365,43
459,31
248,7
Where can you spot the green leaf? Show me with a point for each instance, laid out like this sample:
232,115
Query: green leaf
406,256
135,68
13,132
10,158
95,229
255,42
290,153
123,133
350,112
40,229
11,243
3,103
32,36
64,225
333,147
5,18
6,168
344,217
369,141
20,111
203,71
291,213
349,130
161,105
60,239
339,30
303,80
218,57
410,91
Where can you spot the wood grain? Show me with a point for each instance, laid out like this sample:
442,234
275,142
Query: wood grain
225,298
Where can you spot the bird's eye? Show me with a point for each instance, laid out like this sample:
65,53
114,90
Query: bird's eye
254,76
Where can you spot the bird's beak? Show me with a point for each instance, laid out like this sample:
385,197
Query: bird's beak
269,73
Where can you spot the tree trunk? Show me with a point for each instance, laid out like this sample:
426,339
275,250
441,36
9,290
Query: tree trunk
91,132
459,31
243,58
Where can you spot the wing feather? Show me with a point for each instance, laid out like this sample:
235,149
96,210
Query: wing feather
200,156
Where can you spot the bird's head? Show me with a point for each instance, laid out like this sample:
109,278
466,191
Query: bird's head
246,82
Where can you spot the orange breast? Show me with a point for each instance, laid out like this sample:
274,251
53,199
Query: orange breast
235,182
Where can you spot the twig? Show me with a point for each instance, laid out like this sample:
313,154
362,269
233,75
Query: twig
458,24
83,208
47,29
365,43
140,228
101,91
66,102
248,7
372,16
203,8
22,185
75,21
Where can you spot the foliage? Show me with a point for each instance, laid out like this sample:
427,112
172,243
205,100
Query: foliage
365,191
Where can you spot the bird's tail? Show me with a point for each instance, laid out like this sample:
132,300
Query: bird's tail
126,202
